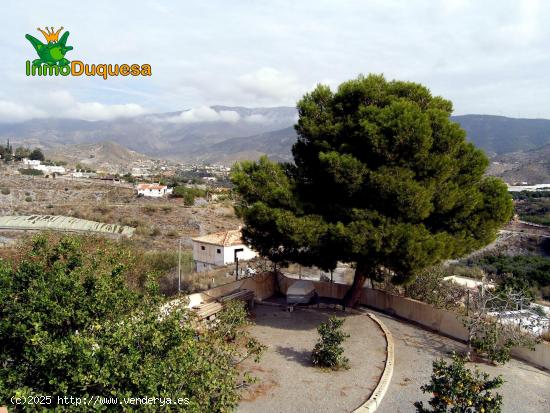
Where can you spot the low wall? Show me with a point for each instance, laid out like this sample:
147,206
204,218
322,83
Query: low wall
540,357
263,286
442,321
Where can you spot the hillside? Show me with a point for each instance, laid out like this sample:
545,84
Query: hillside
107,155
499,135
224,134
530,166
173,135
276,145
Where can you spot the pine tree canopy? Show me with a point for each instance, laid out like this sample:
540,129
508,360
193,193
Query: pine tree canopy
381,178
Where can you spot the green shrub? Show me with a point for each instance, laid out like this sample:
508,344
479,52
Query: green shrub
455,388
328,352
73,325
430,287
188,194
5,191
30,171
518,270
28,199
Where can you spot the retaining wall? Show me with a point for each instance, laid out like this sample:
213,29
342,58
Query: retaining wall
263,286
442,321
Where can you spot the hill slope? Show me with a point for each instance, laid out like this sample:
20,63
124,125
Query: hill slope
499,135
225,134
109,156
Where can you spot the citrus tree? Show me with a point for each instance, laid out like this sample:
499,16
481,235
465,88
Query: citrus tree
328,351
456,389
75,320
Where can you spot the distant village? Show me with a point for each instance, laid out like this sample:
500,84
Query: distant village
151,177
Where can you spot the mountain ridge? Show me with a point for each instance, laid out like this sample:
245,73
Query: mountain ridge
225,134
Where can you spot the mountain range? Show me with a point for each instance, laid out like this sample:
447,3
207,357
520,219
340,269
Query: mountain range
223,134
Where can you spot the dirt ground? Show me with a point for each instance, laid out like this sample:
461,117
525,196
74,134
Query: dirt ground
287,380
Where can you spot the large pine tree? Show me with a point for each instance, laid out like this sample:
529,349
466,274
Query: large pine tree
381,178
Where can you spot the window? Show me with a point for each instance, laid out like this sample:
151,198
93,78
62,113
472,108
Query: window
219,251
203,247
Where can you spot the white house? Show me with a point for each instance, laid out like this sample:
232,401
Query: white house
31,162
153,190
51,169
46,169
220,248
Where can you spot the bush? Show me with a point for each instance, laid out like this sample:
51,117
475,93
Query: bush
28,199
149,209
37,155
5,191
429,287
458,389
188,194
328,352
487,343
30,171
71,324
518,271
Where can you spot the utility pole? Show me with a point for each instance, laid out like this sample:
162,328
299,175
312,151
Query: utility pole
179,266
236,259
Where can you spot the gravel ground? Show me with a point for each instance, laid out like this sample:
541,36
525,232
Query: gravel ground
287,380
526,390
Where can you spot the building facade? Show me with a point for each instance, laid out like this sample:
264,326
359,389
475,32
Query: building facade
219,249
153,190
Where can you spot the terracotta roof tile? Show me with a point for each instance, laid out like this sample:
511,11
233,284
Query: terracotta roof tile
151,186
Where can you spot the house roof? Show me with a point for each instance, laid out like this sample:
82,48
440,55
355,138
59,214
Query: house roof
224,238
158,187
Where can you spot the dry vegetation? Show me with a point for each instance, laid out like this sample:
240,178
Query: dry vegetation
159,223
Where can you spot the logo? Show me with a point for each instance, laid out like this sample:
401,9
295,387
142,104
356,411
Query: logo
52,61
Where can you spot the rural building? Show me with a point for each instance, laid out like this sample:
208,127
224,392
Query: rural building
46,169
31,162
153,190
220,248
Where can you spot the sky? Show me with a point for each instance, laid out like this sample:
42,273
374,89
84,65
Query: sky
487,57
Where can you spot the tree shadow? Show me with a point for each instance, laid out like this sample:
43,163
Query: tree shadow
302,357
301,319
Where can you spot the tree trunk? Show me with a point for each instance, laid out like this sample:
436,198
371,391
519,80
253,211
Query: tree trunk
354,293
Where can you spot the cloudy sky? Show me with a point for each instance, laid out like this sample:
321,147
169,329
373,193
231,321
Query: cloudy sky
486,56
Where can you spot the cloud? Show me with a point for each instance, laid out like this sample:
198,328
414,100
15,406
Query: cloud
99,111
61,104
205,114
268,84
15,112
256,118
